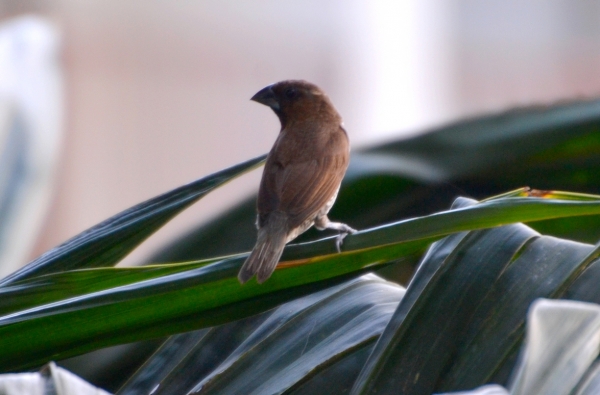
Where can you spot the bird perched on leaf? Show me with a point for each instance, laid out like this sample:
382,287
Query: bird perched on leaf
302,174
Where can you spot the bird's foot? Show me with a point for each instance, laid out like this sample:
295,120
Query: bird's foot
345,231
323,222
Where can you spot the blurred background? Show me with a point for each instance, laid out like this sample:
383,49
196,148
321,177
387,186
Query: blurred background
122,100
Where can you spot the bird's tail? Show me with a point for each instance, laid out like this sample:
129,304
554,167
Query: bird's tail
267,251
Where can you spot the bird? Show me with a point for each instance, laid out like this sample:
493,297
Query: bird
302,173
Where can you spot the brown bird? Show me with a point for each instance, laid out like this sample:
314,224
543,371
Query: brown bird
302,174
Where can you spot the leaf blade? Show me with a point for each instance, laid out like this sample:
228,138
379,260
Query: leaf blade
207,295
108,242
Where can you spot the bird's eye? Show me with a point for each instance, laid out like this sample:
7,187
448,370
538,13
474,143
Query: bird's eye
290,93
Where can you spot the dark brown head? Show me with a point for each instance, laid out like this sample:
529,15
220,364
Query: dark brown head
292,99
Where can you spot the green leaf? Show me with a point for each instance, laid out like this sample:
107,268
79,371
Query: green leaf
108,242
176,366
462,319
287,348
201,295
324,331
527,139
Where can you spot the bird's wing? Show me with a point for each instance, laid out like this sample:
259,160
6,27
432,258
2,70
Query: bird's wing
300,189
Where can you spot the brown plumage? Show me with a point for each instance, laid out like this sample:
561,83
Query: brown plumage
302,174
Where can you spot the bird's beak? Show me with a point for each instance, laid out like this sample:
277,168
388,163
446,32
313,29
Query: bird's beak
267,97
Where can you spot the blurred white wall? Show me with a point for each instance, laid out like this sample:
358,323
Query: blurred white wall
157,93
31,129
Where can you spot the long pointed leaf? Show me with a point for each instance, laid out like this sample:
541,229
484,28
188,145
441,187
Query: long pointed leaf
465,324
108,242
210,295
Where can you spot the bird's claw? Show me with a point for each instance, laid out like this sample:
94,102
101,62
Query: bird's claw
339,240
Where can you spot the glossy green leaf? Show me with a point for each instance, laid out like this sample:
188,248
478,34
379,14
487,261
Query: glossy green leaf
527,139
178,364
108,242
207,295
196,298
320,332
289,349
462,320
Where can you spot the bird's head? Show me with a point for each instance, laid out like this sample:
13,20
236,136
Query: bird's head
295,98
